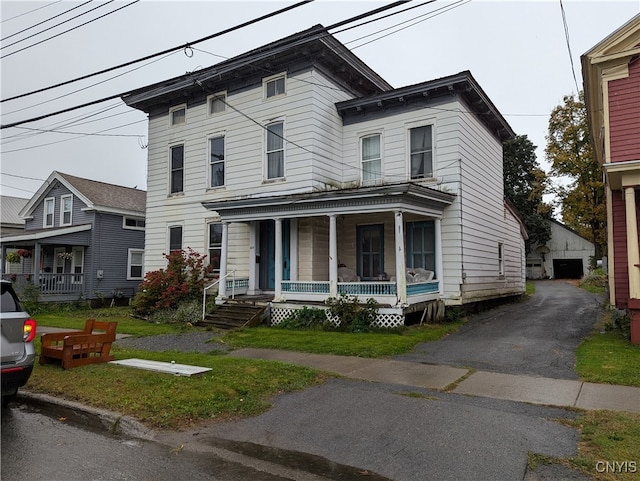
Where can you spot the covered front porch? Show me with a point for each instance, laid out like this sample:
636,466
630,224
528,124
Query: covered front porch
382,243
51,259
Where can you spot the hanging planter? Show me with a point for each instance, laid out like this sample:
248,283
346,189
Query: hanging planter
65,255
13,258
26,253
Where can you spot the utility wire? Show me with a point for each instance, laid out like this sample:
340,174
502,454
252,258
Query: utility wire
30,11
344,22
45,21
71,29
566,35
174,49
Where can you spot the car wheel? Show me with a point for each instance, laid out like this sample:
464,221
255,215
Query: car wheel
7,399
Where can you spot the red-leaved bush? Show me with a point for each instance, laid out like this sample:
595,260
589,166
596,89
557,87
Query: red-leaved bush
183,279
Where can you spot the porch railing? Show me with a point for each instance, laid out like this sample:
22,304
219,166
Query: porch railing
236,285
50,284
382,292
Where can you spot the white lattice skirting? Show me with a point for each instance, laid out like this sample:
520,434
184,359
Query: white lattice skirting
386,318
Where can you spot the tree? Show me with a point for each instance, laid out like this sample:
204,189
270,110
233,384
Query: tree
569,151
524,184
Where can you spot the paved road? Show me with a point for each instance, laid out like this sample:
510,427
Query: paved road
537,336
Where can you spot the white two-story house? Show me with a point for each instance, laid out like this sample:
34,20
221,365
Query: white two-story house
304,175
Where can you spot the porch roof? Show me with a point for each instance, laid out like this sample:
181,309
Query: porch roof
406,197
39,234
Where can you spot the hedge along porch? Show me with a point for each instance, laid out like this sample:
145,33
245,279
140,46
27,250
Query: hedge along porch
306,248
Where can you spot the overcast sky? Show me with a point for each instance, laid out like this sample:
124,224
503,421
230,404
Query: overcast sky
516,50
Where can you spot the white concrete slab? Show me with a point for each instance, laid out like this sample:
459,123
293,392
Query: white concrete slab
166,367
535,390
606,396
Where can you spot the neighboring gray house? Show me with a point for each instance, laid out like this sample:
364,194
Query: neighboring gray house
11,223
304,175
82,239
567,255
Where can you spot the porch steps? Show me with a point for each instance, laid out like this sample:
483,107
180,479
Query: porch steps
236,315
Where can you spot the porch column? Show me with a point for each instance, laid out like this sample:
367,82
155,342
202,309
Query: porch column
4,260
633,252
222,286
333,256
439,265
278,274
37,253
401,276
253,243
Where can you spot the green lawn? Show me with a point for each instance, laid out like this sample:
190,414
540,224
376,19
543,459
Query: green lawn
372,344
608,358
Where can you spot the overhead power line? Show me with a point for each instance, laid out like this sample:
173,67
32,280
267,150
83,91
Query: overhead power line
45,21
111,97
566,35
30,11
174,49
71,29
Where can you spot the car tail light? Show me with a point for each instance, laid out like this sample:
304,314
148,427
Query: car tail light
29,330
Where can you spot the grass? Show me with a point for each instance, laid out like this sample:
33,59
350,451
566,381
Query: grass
234,387
372,344
608,357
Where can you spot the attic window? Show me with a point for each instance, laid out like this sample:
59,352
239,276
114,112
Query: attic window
178,115
275,86
217,103
133,223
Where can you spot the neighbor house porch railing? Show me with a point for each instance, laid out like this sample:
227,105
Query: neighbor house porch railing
50,284
382,292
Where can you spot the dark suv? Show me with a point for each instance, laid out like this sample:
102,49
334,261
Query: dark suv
18,353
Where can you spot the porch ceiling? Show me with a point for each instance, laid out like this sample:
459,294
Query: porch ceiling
405,197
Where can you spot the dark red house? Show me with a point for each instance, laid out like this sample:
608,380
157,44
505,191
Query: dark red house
611,73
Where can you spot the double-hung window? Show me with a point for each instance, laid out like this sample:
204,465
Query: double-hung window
175,238
216,161
275,150
275,86
500,258
421,245
177,169
371,159
135,264
66,207
49,210
178,115
217,103
215,246
421,152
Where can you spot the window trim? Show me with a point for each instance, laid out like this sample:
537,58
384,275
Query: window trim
218,95
210,247
63,211
273,78
501,259
171,170
175,226
361,138
174,109
136,219
52,201
267,152
433,149
218,135
131,251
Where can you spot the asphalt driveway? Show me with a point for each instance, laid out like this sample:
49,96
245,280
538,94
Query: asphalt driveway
537,336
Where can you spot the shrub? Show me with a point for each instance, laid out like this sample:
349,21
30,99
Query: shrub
354,317
182,280
188,313
307,318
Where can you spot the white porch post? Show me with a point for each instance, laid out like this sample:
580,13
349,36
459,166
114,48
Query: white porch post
401,277
253,242
222,287
278,274
333,256
439,263
633,251
37,254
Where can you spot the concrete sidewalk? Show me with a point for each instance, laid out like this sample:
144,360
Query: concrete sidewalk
529,389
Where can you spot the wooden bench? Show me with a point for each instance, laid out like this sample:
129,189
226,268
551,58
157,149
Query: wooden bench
78,348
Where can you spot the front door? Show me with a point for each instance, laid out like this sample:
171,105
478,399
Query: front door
267,267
